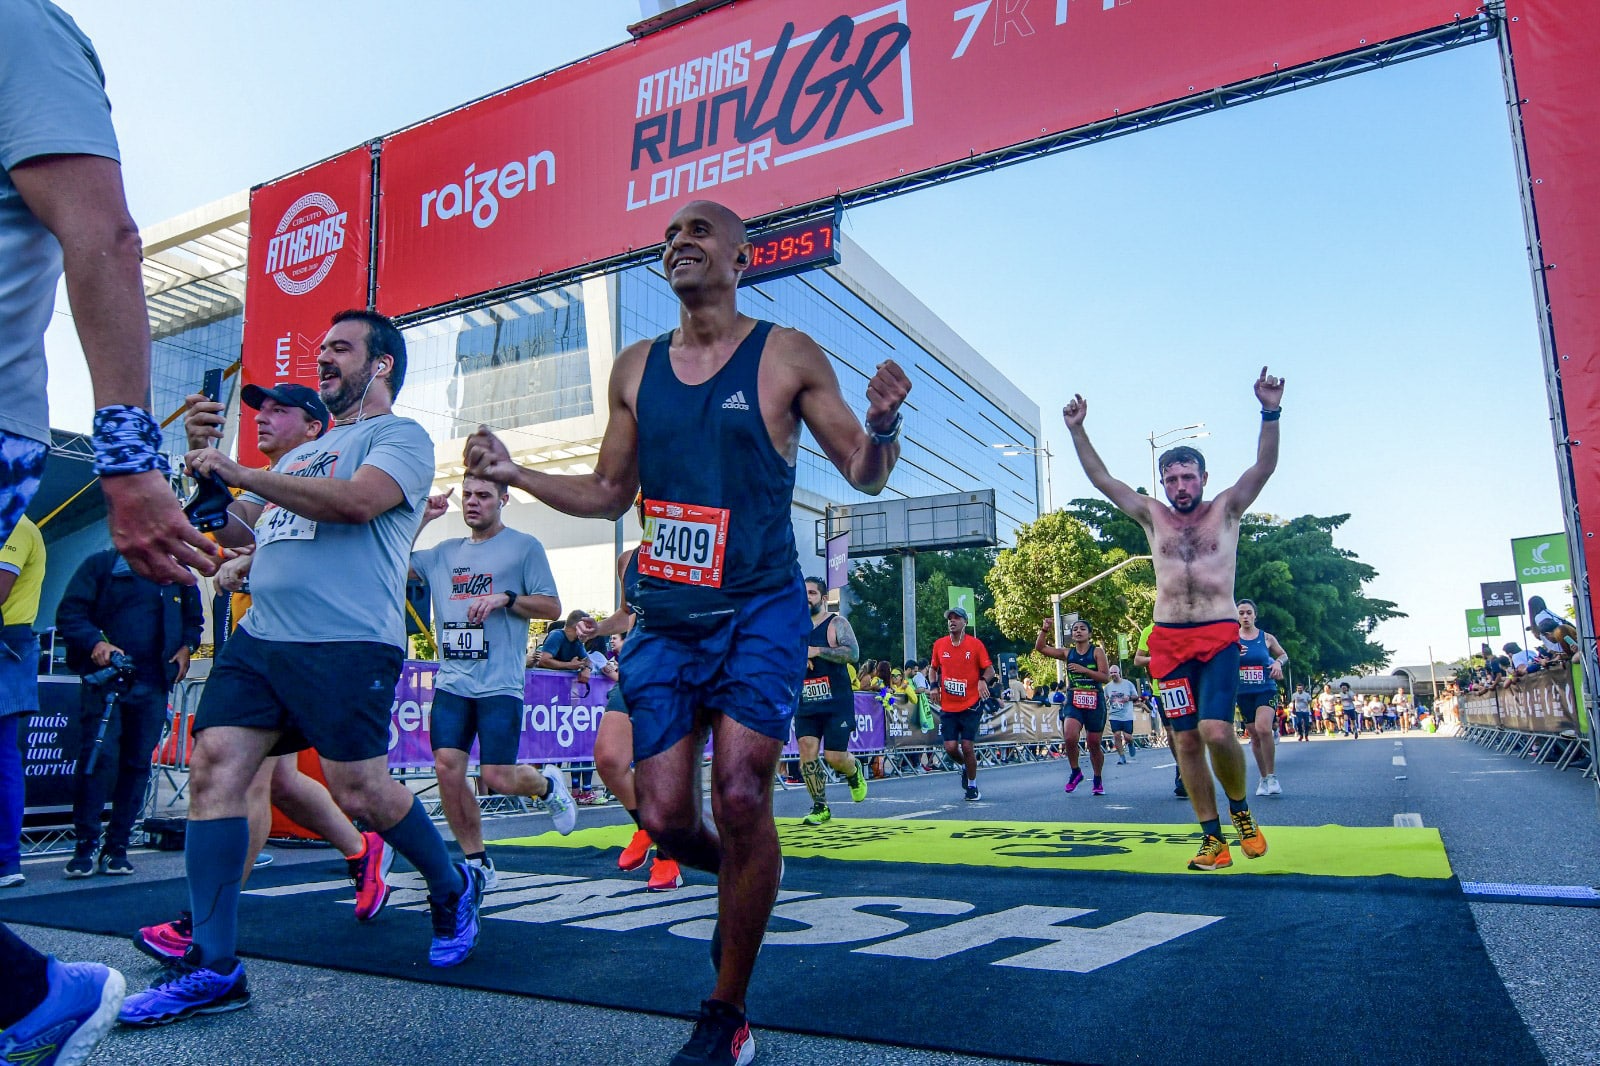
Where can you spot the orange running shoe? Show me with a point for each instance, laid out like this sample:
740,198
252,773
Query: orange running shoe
664,875
1214,855
638,850
370,872
1251,841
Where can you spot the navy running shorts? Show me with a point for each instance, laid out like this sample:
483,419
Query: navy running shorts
833,727
496,721
960,725
334,697
1093,720
1201,690
1120,725
749,670
1250,702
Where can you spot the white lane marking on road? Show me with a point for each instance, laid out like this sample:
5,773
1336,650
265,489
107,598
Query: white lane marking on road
1410,820
1398,760
1399,743
917,814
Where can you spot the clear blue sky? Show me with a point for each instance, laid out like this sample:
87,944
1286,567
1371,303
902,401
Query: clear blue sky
1362,238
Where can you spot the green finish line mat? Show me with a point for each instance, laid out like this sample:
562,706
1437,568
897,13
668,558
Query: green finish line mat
1318,851
1018,962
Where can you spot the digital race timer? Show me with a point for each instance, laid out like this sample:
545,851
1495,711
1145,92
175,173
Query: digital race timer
790,249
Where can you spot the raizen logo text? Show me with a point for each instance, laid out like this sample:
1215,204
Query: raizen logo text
714,119
303,248
479,192
862,924
560,721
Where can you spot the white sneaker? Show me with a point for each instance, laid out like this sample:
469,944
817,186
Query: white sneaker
1273,788
1261,787
11,880
558,801
490,877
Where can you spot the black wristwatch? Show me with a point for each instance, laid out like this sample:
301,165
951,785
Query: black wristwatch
512,602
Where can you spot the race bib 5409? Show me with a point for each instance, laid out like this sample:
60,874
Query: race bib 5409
683,542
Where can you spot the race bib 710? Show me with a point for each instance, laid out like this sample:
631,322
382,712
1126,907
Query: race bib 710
683,542
1177,698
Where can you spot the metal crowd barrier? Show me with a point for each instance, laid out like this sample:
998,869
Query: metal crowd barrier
1563,749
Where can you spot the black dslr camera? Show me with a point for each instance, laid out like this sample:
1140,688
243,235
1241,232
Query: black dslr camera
119,673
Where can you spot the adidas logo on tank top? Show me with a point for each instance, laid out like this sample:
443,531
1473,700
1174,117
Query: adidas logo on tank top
736,402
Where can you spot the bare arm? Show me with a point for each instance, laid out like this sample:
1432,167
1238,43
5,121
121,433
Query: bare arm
864,463
79,199
1279,657
1269,390
842,646
536,608
620,620
1127,501
606,493
1042,643
8,579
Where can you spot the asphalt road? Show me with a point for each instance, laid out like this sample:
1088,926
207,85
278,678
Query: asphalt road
1501,820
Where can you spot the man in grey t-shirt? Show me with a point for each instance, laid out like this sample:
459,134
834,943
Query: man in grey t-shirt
1120,694
485,588
315,660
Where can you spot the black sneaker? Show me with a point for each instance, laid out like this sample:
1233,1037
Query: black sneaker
973,795
82,862
721,1037
115,862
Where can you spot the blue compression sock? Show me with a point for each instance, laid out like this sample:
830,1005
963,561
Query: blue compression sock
415,838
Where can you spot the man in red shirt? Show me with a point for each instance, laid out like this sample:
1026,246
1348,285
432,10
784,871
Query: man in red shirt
961,672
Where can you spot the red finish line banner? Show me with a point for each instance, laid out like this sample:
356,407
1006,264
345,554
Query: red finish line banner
767,105
308,260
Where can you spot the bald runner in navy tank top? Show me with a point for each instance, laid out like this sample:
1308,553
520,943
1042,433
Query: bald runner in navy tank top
721,606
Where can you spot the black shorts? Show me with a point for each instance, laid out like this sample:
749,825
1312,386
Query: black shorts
614,700
960,725
1251,702
495,720
833,725
1093,719
334,697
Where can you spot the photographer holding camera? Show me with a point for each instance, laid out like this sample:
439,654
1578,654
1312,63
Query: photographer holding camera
130,640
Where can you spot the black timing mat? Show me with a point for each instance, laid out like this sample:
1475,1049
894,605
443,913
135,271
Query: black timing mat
1023,964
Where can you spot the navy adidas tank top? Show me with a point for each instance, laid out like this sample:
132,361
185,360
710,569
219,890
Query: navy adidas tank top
1254,661
707,446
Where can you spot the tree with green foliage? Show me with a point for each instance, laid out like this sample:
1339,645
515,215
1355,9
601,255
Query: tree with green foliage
1053,554
875,609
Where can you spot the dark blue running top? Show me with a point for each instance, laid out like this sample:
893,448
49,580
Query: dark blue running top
707,445
1255,661
1088,659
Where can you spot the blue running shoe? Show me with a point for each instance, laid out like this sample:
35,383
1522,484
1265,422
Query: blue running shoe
184,990
77,1011
455,922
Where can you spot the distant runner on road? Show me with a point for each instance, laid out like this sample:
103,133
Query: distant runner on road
1261,661
1194,647
1085,709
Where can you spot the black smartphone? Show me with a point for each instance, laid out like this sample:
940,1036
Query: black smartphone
211,385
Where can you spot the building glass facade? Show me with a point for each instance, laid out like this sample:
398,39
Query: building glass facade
178,363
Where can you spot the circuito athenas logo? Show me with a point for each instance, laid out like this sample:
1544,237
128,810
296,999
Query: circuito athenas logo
306,243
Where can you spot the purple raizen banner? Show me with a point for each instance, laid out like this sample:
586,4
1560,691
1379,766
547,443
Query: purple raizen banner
558,723
559,720
838,560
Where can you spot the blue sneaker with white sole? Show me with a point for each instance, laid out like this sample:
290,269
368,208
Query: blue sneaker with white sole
455,922
77,1011
184,990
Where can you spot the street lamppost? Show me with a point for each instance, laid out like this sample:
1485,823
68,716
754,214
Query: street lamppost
1013,448
1164,440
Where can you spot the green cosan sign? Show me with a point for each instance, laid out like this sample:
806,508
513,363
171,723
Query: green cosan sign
1541,559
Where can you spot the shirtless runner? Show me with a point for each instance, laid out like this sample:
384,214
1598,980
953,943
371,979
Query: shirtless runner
1194,648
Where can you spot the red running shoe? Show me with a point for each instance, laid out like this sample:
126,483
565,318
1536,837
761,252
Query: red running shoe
166,941
638,850
370,872
664,875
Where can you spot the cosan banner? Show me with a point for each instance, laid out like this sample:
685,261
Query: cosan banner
308,260
1541,559
768,106
1480,624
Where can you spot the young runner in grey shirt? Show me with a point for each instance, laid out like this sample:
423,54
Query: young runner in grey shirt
485,587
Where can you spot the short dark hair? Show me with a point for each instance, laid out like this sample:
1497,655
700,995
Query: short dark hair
501,488
383,338
817,583
1084,622
1181,454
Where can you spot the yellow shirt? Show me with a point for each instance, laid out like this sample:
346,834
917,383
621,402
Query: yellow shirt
23,555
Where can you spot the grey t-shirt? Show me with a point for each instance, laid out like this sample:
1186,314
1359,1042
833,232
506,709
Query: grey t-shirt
459,571
1119,700
52,102
333,581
